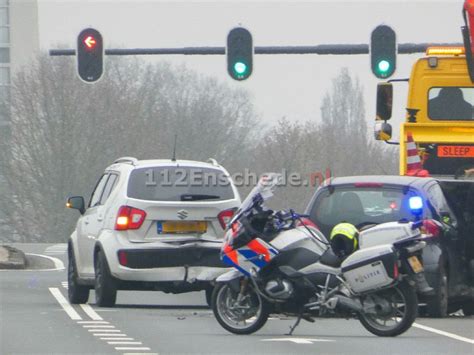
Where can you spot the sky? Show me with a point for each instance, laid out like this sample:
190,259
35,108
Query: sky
290,86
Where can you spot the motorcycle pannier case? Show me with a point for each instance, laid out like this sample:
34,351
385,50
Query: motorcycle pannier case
370,268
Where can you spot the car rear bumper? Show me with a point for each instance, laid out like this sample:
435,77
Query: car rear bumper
170,257
163,262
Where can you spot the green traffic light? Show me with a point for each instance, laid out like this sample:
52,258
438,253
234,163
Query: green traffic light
383,66
240,68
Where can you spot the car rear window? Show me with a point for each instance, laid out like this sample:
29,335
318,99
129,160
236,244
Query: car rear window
358,205
179,184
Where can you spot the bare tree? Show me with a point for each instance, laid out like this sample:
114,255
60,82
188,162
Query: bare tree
348,146
340,144
65,132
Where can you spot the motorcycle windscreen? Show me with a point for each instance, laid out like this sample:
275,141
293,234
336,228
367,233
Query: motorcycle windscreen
262,192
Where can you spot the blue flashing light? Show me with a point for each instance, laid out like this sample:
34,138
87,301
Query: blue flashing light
415,203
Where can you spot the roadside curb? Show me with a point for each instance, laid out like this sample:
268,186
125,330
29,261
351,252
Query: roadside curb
11,258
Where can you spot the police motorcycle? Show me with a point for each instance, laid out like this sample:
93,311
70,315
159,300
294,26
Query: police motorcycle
284,265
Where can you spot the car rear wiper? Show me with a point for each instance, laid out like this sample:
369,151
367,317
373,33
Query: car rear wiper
195,197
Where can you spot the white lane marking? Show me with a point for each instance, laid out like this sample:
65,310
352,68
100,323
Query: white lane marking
299,340
71,312
90,312
140,354
98,326
58,264
442,332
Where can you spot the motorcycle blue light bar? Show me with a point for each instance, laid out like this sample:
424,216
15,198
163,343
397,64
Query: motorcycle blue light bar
415,203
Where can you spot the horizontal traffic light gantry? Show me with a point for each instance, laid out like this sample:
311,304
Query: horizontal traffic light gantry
90,55
239,52
383,51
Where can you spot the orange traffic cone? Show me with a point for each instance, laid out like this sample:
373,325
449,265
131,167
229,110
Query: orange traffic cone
414,166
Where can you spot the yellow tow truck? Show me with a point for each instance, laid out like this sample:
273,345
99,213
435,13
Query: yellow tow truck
437,140
439,114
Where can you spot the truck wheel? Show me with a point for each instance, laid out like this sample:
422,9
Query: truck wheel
437,305
468,307
105,284
76,293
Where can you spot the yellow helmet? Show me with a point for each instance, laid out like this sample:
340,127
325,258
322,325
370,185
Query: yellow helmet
344,239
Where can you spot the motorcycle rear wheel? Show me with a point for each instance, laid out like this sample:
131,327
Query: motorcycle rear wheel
244,317
404,306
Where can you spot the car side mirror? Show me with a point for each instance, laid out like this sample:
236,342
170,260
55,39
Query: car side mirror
384,101
382,131
77,203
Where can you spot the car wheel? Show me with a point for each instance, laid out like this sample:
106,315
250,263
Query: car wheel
437,305
468,307
105,284
76,293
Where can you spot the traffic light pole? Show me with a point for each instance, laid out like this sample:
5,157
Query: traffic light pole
322,49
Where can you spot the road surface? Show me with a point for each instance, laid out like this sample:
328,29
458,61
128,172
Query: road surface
35,318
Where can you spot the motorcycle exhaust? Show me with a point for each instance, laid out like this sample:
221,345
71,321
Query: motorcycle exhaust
348,303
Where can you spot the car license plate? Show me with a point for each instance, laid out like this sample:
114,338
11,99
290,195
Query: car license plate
415,264
181,227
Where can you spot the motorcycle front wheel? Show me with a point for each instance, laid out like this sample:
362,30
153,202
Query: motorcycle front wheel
395,314
244,314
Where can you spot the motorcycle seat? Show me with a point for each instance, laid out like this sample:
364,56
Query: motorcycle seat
330,259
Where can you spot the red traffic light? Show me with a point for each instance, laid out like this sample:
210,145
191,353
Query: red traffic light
90,42
90,55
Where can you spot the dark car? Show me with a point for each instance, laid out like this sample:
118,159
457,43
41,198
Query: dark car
449,257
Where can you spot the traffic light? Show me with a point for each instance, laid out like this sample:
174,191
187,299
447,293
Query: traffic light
239,53
383,51
90,55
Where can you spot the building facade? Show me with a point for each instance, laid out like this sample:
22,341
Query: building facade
19,43
5,68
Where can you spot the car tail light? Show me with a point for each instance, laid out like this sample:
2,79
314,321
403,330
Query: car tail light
129,218
395,271
306,222
225,217
431,228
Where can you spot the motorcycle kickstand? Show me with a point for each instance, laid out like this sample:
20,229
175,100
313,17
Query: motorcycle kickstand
298,320
293,327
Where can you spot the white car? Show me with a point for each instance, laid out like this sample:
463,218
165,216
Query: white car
150,225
